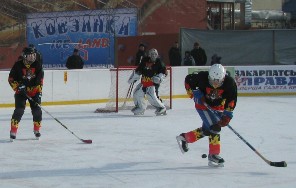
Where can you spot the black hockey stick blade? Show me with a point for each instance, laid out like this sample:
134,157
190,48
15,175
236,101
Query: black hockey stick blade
278,164
86,141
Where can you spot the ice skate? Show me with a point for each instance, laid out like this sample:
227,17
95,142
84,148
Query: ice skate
12,136
133,109
183,145
215,161
137,111
37,135
160,111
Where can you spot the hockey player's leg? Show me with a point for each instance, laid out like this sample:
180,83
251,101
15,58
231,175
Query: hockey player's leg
209,119
16,118
214,158
139,100
154,101
20,104
184,138
13,129
37,118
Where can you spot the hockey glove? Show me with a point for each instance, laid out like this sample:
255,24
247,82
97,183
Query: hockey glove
215,129
189,91
37,98
157,79
22,89
224,121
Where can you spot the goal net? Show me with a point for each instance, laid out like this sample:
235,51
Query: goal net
121,92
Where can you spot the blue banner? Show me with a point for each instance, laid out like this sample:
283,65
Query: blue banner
92,32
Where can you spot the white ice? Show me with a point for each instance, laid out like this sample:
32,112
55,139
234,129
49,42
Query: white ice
141,152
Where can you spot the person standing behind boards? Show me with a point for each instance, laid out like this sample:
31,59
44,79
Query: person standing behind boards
75,61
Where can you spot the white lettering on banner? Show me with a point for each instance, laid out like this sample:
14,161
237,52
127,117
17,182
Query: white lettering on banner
265,81
97,21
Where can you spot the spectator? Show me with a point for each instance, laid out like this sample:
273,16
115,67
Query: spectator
75,61
188,59
175,55
215,59
141,53
199,55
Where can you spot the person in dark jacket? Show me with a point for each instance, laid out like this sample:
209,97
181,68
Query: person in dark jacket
75,61
26,79
141,53
199,55
215,59
175,55
188,59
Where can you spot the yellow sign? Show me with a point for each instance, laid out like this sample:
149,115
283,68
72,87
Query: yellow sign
65,76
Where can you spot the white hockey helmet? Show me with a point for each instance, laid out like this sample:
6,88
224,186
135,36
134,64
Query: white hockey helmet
216,75
153,54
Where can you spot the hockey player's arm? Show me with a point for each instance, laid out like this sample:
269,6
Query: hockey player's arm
36,89
230,104
40,77
162,73
191,84
14,84
163,69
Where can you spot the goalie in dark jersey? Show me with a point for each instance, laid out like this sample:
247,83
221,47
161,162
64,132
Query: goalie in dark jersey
151,71
219,92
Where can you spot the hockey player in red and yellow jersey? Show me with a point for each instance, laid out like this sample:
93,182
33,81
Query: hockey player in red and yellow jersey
26,79
219,92
152,71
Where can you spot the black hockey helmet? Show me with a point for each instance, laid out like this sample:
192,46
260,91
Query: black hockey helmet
28,50
29,55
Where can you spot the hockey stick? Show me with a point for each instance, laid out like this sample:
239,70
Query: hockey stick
275,164
84,141
128,95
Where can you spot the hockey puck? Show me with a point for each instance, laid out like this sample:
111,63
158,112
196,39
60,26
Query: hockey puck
204,155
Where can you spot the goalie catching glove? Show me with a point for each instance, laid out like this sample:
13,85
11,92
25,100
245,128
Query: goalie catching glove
157,79
134,77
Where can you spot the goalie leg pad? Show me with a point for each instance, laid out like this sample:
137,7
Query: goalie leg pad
152,98
139,99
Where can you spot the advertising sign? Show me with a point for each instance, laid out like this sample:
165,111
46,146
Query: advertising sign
92,32
266,79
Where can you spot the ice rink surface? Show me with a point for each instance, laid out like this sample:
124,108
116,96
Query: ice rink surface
141,151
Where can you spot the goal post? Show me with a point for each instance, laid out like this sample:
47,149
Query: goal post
121,92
